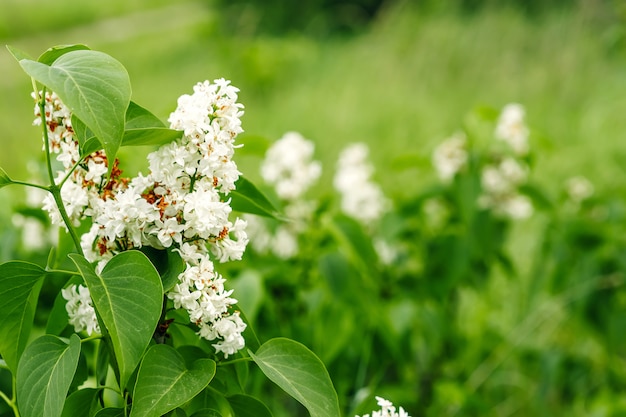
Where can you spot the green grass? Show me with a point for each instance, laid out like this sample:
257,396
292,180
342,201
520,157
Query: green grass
402,87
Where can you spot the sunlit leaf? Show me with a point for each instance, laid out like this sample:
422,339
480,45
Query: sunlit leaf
301,374
94,86
128,295
44,375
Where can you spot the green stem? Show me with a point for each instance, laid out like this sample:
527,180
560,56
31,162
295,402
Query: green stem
90,338
30,184
246,359
54,189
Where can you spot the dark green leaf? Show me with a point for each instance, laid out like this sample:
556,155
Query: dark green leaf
20,283
246,406
207,412
111,412
128,296
55,52
247,198
301,374
44,375
94,86
164,382
83,402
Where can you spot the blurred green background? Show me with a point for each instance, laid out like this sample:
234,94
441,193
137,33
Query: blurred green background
400,76
403,75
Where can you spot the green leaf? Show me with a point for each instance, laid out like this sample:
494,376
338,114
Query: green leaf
55,52
138,117
144,128
301,374
20,283
128,296
18,54
111,412
246,406
164,382
82,402
247,198
4,178
44,375
150,136
207,412
168,263
94,86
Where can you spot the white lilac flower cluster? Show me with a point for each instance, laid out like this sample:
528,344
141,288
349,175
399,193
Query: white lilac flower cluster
578,189
361,198
387,409
80,309
179,204
289,167
450,157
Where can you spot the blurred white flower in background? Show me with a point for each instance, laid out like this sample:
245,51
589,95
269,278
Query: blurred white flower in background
361,198
511,128
289,167
450,156
500,183
579,188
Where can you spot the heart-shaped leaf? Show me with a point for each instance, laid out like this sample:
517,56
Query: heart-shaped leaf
94,86
20,283
164,382
4,178
44,375
247,198
128,296
301,374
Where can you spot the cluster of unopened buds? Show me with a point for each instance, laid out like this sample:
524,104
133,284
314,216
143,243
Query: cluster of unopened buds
180,205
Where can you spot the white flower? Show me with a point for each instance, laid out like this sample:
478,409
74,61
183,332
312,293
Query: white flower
178,204
360,197
579,188
80,309
289,167
500,183
387,409
511,128
450,157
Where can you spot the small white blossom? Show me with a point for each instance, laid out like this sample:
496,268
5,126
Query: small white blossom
387,409
450,157
289,167
579,188
511,128
80,309
360,197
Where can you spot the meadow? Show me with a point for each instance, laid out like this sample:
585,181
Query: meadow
476,314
